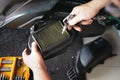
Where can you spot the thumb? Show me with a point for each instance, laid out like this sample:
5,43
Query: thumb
36,52
34,47
24,53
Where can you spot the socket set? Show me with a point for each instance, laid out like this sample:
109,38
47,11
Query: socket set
13,68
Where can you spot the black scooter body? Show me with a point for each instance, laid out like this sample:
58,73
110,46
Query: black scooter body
90,55
19,13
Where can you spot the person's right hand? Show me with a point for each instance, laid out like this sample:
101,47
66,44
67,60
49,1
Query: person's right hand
83,14
116,2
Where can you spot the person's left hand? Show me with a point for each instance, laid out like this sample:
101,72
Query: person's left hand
36,63
34,58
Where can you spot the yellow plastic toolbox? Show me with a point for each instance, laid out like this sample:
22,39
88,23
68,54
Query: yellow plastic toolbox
13,68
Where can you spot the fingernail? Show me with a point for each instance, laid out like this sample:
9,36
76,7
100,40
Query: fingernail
33,43
25,50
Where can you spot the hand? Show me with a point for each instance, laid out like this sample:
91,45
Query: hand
116,2
34,58
84,14
36,63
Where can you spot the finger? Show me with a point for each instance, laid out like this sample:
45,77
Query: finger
86,22
75,20
69,27
77,28
34,47
25,53
75,10
35,51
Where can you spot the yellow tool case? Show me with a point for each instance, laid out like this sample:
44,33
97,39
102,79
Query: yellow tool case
13,68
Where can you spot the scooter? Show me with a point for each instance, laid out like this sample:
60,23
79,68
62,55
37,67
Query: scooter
25,13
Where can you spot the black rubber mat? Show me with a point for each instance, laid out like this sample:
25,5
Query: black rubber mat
58,71
13,42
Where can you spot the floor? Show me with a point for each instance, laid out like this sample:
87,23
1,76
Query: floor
13,42
110,70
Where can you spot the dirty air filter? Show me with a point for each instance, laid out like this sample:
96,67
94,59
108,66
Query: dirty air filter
49,38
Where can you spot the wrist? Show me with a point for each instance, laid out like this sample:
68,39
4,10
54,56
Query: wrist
41,74
91,9
37,67
97,5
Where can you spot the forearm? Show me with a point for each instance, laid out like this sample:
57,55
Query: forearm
41,75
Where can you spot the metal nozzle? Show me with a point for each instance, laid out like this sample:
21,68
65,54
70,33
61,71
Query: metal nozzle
65,21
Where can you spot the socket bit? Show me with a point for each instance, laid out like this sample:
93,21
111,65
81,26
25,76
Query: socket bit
7,69
7,62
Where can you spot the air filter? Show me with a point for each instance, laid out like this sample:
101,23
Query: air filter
50,38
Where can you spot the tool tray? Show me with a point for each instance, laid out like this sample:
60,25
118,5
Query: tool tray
13,68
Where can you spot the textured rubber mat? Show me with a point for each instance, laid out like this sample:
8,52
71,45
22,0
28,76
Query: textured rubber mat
58,66
13,42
